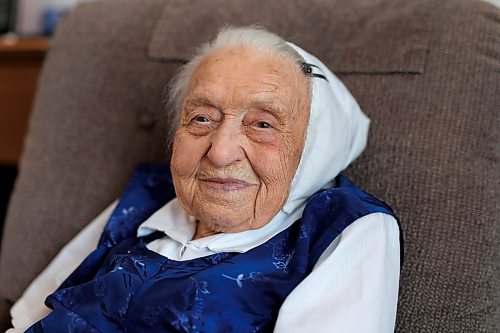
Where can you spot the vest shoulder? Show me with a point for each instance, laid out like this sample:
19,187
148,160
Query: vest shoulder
330,211
149,187
345,199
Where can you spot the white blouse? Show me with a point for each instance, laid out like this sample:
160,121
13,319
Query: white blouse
352,288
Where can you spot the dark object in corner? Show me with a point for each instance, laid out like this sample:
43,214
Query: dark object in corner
7,16
7,177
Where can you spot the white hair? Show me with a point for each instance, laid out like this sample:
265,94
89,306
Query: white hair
252,37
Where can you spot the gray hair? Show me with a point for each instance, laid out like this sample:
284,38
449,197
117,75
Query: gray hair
252,37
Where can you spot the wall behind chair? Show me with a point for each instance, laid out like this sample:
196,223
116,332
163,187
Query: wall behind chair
32,15
494,2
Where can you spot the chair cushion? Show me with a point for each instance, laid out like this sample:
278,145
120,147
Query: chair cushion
348,37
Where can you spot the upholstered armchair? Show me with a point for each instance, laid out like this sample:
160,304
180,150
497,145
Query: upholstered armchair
426,73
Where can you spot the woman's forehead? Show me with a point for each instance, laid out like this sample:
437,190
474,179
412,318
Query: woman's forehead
241,75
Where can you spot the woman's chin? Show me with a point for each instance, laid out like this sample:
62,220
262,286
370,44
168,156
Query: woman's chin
227,225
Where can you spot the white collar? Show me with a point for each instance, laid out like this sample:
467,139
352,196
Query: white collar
180,227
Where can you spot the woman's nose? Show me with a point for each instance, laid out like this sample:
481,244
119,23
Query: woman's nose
226,146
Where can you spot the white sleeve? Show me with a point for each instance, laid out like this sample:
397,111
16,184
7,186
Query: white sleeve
354,285
30,307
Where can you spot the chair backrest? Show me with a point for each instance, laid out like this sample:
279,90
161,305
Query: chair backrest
425,72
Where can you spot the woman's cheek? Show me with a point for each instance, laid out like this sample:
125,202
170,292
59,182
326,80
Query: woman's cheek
268,166
260,136
184,161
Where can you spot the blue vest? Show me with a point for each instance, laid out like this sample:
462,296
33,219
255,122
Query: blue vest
124,287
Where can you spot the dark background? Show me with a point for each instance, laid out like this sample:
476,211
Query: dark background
7,177
7,15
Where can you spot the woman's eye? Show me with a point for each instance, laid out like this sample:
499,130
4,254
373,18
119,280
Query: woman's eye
263,124
201,119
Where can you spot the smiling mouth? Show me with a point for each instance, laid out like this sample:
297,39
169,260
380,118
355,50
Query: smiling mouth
226,184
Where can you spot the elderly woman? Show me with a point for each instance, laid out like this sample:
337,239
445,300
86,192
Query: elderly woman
253,230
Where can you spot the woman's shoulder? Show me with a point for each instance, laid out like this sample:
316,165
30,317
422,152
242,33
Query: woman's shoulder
329,212
149,187
345,199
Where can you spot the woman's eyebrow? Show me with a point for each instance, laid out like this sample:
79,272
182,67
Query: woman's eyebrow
273,106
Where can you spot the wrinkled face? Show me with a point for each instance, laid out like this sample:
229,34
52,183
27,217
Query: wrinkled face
240,138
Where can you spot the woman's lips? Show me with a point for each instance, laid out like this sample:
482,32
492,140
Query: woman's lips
226,184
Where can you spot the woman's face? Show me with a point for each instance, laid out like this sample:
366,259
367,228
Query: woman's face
240,138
